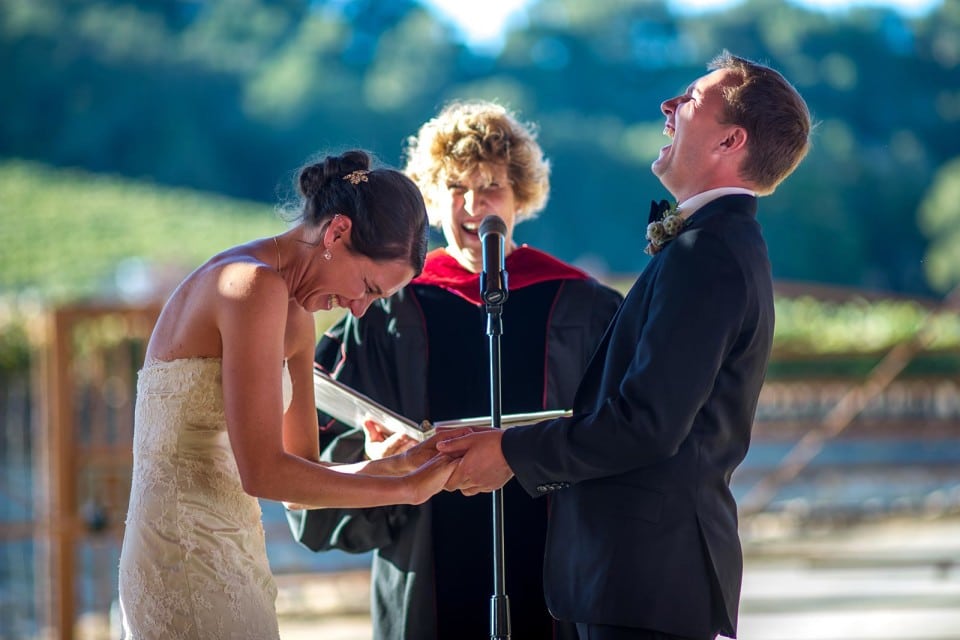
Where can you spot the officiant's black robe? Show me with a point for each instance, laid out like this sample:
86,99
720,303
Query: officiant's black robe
425,354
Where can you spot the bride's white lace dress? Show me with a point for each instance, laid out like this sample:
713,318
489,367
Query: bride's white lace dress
193,563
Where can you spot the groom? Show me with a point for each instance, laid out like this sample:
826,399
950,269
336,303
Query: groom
642,540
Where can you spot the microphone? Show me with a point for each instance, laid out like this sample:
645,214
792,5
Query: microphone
493,279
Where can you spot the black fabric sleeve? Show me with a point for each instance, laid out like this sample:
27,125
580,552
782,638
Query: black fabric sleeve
364,353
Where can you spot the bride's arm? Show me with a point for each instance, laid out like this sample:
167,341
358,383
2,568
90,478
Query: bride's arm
278,459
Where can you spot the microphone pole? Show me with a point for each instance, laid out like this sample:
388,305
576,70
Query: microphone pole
493,290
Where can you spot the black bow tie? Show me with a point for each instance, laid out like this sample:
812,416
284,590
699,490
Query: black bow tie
657,209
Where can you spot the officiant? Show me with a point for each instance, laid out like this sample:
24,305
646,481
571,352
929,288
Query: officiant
424,353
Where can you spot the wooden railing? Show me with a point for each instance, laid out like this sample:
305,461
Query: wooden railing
83,388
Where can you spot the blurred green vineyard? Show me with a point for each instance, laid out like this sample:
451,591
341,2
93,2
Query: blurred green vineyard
64,232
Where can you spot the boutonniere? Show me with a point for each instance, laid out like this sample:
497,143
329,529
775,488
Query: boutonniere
660,232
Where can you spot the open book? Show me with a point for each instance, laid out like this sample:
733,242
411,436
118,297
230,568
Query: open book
351,407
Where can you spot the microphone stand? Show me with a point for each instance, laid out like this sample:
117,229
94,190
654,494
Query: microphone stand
493,290
499,602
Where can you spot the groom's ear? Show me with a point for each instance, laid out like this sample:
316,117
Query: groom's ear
735,140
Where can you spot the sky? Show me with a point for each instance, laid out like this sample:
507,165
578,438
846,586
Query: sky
483,23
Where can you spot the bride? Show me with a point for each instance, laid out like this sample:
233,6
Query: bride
225,411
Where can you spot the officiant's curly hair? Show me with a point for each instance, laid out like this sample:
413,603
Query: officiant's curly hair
388,215
476,135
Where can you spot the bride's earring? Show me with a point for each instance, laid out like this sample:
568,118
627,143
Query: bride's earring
326,254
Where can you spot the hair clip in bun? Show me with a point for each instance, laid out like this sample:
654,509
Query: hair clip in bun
358,176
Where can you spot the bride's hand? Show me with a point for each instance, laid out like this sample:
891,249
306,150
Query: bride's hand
430,478
414,457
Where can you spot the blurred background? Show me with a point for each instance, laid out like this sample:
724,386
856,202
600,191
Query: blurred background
139,138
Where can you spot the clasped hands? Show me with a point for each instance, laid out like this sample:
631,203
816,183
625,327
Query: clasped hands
479,464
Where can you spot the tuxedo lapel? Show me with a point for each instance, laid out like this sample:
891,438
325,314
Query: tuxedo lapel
591,381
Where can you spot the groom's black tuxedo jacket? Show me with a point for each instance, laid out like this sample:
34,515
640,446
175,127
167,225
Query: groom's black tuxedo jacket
643,526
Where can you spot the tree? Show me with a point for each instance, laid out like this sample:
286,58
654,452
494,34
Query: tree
939,218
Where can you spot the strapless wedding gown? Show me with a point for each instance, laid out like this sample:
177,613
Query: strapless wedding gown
194,562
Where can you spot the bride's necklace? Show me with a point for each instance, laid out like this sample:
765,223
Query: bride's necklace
276,243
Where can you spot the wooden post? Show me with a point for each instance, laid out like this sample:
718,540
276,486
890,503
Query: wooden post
59,457
54,448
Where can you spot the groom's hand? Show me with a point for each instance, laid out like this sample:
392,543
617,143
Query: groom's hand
483,467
